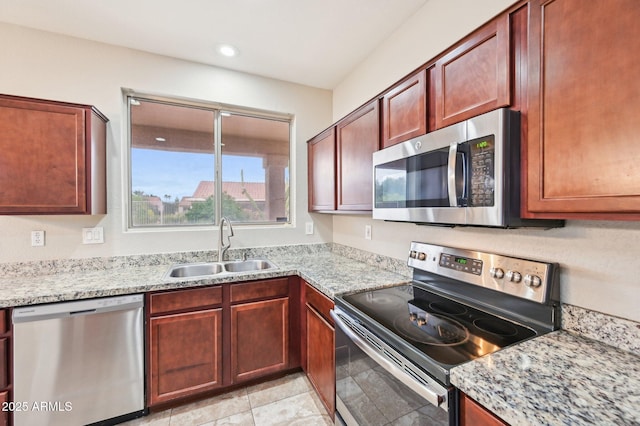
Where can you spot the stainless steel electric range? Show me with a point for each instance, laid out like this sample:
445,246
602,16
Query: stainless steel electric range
396,346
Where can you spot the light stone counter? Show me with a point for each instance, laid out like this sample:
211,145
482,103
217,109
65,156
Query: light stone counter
562,378
326,268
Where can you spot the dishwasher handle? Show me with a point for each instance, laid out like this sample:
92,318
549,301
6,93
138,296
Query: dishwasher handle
77,308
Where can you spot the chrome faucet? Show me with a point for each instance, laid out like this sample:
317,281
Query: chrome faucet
222,247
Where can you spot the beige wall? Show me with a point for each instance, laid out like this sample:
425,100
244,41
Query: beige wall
599,260
49,66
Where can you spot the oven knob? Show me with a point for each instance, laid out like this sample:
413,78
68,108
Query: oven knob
496,273
422,256
532,280
413,254
422,321
514,276
413,316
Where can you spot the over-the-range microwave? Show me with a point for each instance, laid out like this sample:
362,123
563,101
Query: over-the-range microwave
464,174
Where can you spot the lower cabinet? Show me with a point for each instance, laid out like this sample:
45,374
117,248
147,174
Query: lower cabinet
5,365
319,344
207,339
474,414
259,329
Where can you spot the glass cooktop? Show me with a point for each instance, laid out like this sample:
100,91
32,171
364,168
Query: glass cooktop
444,330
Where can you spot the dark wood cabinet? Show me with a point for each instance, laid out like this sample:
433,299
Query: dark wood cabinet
186,354
204,340
404,110
319,346
474,414
6,386
259,338
260,329
185,348
321,152
53,157
358,137
474,76
584,92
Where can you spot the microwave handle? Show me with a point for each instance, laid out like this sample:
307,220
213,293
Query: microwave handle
451,175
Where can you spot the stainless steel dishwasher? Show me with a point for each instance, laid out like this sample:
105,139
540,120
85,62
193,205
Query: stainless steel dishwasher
77,363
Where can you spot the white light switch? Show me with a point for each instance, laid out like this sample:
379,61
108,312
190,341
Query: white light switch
93,235
367,232
308,228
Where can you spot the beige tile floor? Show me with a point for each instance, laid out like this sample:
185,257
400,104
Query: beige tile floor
287,401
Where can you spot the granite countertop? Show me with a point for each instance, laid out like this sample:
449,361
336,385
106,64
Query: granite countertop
556,379
329,272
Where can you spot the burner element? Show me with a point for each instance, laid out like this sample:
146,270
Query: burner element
496,326
431,329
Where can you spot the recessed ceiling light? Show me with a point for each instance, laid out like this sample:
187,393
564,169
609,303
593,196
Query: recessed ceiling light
161,139
227,50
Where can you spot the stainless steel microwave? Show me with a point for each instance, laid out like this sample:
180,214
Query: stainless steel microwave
464,174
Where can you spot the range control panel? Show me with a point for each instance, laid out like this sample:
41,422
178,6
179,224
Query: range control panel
529,279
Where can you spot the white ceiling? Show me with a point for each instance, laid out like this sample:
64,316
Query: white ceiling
312,42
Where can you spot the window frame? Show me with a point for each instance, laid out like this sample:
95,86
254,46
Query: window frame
218,109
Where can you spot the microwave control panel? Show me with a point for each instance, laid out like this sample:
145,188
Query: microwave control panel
482,180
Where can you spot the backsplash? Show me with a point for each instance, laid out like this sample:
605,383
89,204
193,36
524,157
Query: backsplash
618,332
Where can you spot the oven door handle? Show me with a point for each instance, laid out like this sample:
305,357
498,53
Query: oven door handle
427,393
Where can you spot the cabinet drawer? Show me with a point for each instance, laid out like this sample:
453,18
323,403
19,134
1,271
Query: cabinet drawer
182,300
319,302
259,290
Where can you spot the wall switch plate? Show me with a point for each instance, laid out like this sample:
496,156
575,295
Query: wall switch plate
37,238
308,228
367,232
93,235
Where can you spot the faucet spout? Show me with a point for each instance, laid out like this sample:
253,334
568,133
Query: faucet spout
222,247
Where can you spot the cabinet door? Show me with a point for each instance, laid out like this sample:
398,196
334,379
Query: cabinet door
584,101
474,77
185,354
322,167
474,414
404,110
321,358
49,153
358,138
259,338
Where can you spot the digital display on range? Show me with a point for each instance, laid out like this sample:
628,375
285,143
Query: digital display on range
462,264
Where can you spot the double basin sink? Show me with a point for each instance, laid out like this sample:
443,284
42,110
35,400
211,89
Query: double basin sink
207,269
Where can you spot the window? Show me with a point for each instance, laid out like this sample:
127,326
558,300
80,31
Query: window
190,164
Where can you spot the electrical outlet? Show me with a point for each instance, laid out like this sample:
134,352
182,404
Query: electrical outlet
93,235
37,238
367,232
308,228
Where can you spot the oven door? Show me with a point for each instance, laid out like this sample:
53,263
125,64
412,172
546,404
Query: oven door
375,385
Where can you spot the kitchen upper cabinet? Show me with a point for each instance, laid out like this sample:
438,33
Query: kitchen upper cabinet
53,157
358,137
185,348
261,329
404,110
474,414
584,96
474,76
321,152
319,346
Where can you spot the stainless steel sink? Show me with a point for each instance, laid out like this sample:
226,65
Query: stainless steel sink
189,270
248,265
